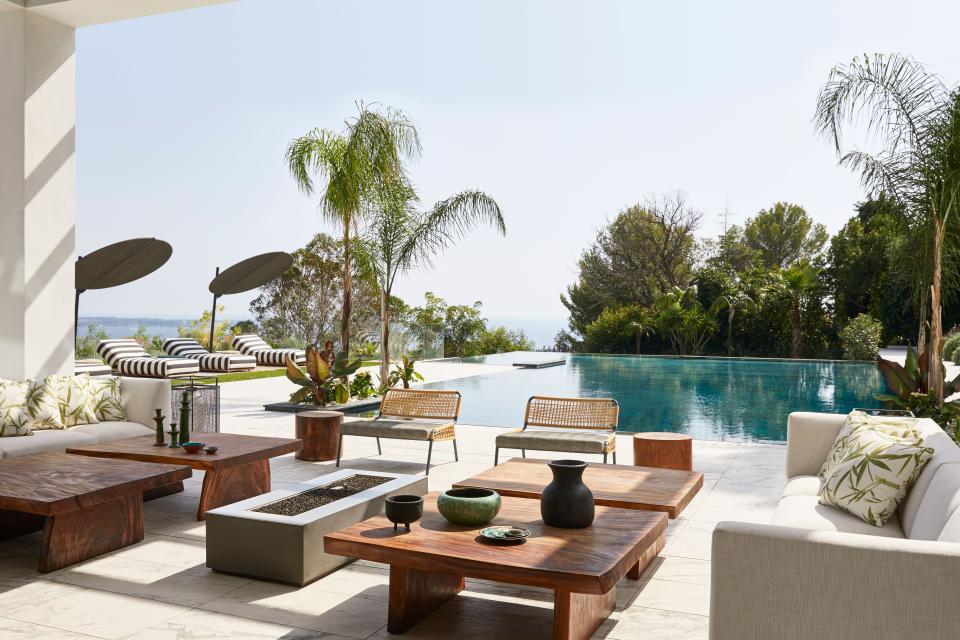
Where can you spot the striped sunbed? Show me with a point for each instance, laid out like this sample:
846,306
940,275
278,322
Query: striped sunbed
253,345
91,368
191,349
128,358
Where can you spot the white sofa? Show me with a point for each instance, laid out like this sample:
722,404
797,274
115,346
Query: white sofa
818,572
140,397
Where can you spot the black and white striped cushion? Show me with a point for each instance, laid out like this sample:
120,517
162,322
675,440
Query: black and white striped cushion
190,348
253,345
127,357
91,368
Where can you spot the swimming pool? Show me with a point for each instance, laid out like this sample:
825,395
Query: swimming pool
709,398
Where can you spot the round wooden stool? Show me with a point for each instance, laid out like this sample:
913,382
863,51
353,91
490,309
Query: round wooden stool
663,450
320,433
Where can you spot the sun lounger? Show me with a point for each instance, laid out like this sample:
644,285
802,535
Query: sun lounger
91,368
192,350
128,358
253,345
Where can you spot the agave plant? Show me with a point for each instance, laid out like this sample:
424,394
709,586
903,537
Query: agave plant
325,377
908,384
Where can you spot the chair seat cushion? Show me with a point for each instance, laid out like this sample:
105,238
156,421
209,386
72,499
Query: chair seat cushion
110,431
44,441
397,429
156,367
556,440
802,486
806,512
224,361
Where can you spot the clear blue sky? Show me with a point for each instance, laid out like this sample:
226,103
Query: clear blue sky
565,112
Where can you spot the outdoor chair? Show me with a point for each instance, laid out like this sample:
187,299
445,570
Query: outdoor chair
218,361
410,414
575,425
251,344
128,358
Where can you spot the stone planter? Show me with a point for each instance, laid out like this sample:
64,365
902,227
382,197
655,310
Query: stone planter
289,549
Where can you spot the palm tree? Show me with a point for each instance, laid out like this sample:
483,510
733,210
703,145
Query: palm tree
795,284
734,297
681,318
399,237
918,118
357,163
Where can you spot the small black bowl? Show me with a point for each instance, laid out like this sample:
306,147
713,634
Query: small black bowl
403,509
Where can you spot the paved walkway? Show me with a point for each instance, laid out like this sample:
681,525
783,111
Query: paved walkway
160,588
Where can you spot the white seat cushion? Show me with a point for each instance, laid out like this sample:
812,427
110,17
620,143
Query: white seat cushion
110,431
802,486
945,451
806,512
43,441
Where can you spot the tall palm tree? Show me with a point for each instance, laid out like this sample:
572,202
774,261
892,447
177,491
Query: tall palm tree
363,159
399,237
795,284
734,297
918,119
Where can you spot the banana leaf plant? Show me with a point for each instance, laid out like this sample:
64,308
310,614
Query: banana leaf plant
909,381
324,379
403,372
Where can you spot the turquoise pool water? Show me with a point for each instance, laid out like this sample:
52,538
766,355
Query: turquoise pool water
709,398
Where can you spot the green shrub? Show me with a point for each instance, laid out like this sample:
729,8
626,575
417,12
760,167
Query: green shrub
362,385
860,339
950,346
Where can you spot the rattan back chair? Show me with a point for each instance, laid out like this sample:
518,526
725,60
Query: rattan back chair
425,404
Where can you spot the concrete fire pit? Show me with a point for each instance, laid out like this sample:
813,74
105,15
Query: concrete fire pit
289,548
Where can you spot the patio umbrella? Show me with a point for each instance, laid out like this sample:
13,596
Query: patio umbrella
117,264
246,275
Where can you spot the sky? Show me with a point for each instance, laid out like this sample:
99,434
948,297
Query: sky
564,112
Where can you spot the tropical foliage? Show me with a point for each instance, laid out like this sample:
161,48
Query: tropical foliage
324,380
860,339
909,388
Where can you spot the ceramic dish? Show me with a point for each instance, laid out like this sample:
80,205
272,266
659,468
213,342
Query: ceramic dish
210,450
192,447
505,535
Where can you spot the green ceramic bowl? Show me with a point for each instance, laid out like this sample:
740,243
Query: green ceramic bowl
470,507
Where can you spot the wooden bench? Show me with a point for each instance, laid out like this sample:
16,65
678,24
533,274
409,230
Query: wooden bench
410,414
576,425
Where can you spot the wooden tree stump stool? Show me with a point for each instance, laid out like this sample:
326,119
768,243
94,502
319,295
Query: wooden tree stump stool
320,433
663,450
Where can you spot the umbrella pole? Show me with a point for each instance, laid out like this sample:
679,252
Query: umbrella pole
213,317
76,320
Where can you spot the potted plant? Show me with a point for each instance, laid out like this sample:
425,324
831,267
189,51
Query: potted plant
325,378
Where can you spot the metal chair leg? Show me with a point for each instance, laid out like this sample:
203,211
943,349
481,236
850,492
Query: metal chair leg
614,457
339,449
604,457
496,456
379,450
429,454
523,453
456,456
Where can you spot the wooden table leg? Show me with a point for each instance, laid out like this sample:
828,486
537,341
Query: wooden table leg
577,615
17,523
415,594
647,556
69,538
233,484
165,490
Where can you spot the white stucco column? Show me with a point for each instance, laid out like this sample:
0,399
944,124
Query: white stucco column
37,194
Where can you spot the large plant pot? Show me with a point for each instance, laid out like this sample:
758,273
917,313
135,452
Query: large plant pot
567,502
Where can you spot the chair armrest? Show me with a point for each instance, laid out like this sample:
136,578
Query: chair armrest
809,438
141,398
771,582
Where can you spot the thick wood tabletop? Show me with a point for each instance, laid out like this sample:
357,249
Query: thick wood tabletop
590,560
54,483
612,485
234,450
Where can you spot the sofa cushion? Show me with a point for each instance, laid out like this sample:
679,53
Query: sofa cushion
76,400
14,419
395,429
107,399
43,404
43,441
110,431
945,451
806,512
558,440
873,473
802,486
894,426
939,504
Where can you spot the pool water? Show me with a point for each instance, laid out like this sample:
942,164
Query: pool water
708,398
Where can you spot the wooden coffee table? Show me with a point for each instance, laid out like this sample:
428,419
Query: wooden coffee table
240,469
612,485
85,507
581,566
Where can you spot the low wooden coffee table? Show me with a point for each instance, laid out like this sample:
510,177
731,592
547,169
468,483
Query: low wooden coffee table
85,507
612,485
581,566
240,469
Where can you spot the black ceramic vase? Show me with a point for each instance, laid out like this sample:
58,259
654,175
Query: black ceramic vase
567,502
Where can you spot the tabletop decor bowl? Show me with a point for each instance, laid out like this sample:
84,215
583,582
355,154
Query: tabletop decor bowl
192,447
210,450
469,506
403,509
505,535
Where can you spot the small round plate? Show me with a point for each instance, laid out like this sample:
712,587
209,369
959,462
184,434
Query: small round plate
505,535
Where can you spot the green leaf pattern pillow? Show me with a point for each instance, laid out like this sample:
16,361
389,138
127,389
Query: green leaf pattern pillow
43,405
76,401
14,419
903,428
106,401
873,475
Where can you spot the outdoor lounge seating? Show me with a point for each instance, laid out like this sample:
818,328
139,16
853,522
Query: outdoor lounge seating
191,349
410,414
575,425
818,572
253,345
91,367
128,358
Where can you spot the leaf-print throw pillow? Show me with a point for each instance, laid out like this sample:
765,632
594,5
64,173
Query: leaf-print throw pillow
75,400
106,401
42,404
904,428
14,419
873,475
